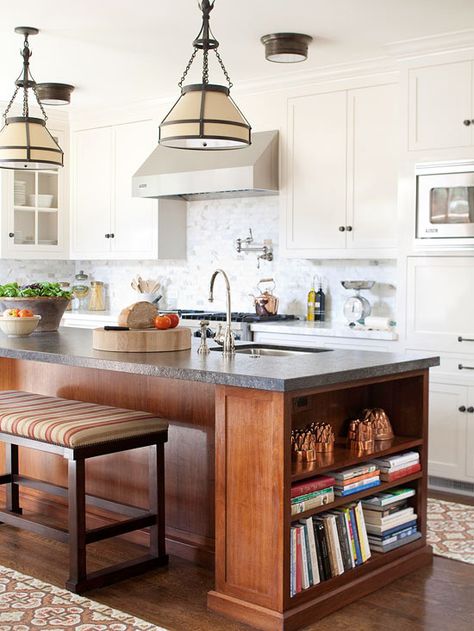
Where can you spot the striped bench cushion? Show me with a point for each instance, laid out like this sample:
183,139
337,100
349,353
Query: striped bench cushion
71,423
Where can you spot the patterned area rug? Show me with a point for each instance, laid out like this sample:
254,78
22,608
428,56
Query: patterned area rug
27,603
451,530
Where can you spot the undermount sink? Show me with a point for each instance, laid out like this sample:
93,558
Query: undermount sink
271,350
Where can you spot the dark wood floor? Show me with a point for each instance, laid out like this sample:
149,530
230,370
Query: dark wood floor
440,597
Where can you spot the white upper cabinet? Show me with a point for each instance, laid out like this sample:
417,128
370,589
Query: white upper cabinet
342,174
441,109
92,186
372,167
317,172
107,222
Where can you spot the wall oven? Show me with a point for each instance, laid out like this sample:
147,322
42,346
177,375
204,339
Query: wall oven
445,201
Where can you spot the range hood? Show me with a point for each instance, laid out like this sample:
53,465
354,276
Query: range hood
191,175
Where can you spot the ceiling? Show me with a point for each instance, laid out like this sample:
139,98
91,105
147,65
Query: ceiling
123,51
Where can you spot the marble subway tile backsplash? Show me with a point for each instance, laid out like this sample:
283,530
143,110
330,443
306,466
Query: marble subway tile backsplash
213,227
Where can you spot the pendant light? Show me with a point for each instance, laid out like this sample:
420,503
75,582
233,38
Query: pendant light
286,48
205,117
25,142
54,93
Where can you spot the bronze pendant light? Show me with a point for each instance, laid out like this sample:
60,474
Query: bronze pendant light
205,117
54,93
25,142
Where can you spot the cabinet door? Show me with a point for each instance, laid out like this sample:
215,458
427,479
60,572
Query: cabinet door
447,431
134,223
469,447
316,206
440,303
372,167
92,192
440,100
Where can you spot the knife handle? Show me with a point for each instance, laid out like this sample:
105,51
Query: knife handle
116,328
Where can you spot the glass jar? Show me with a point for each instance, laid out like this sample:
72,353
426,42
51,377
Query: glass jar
97,298
80,290
67,287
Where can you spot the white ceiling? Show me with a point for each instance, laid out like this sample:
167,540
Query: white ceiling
130,50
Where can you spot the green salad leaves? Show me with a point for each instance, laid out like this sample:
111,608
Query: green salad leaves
34,290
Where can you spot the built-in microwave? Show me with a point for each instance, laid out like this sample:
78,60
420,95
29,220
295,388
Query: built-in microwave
445,201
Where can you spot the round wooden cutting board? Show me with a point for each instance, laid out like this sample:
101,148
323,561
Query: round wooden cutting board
142,341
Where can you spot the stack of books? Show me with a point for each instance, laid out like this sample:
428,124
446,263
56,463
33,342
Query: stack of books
398,466
327,545
389,520
356,479
312,493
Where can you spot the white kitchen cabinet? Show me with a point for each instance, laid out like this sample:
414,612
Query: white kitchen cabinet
441,106
440,303
447,431
34,214
342,174
107,222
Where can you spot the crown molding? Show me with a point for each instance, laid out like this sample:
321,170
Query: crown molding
432,44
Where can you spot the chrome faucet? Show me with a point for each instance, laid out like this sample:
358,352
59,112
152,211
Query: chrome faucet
227,338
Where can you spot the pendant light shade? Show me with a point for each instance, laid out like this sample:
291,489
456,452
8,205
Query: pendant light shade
205,117
25,142
54,93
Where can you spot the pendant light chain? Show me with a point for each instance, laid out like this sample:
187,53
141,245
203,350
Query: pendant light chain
224,69
12,100
35,92
187,69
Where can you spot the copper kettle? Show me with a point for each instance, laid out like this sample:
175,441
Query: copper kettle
266,304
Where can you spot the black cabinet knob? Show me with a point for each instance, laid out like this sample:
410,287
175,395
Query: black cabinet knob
462,408
11,235
107,236
342,228
467,122
112,236
349,228
470,409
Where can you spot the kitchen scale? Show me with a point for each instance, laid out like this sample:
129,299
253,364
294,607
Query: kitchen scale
357,308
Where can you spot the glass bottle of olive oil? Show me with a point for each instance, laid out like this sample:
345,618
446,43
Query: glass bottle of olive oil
311,305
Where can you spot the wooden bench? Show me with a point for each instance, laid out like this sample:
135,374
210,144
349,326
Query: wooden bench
77,431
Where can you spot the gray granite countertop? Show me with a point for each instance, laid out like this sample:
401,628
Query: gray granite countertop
73,347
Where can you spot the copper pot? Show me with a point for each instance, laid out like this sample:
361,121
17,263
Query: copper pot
266,304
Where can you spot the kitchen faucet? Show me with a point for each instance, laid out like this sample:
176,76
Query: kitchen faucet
226,339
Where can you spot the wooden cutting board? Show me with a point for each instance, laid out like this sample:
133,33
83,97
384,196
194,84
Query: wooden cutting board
142,341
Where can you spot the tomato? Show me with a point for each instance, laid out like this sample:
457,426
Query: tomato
162,322
174,317
11,313
25,313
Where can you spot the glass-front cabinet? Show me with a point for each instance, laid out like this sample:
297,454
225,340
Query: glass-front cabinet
34,206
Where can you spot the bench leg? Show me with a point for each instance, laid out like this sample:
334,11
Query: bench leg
157,500
77,524
13,490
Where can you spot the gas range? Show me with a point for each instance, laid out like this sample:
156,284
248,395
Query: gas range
241,321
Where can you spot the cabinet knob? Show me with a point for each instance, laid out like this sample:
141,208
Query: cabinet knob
11,235
462,408
349,228
470,409
107,236
466,122
342,228
112,236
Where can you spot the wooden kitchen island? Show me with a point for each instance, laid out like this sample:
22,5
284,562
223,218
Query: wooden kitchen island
228,460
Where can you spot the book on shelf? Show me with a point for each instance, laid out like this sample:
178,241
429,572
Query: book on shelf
354,472
398,543
357,487
380,542
319,498
309,486
378,518
327,545
389,462
357,479
380,501
401,473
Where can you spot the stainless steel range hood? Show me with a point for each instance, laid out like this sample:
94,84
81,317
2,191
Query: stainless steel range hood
191,175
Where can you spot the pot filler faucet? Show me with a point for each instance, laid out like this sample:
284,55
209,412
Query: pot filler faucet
225,338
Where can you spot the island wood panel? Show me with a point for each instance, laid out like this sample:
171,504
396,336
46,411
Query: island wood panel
252,447
190,408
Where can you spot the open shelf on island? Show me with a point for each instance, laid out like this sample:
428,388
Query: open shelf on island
343,457
355,497
377,560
